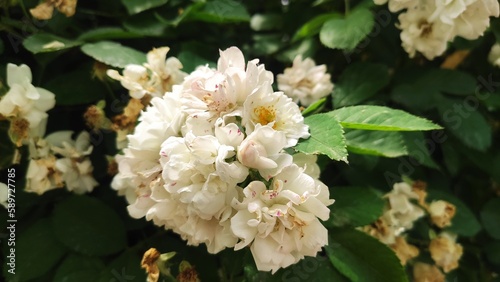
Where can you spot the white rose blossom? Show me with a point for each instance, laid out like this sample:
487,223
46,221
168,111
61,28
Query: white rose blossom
281,223
25,101
305,81
402,210
197,146
427,26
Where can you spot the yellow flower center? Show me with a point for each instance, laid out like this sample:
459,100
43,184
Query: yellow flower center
265,115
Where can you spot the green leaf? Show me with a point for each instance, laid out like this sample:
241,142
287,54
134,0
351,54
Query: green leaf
137,6
349,32
490,217
63,86
361,257
327,137
420,148
355,206
106,33
464,222
45,42
314,107
376,143
359,82
146,24
88,226
449,81
380,118
113,54
492,251
221,11
37,251
466,123
313,27
78,268
126,267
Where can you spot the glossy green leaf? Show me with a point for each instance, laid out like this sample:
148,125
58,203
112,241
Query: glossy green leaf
107,33
88,226
380,118
464,222
492,251
78,268
355,206
327,137
113,54
137,6
45,42
466,123
146,24
490,217
126,267
359,82
361,257
377,143
37,251
313,26
347,33
221,11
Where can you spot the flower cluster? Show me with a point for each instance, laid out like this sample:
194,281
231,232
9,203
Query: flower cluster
305,81
427,26
25,105
406,204
208,161
58,161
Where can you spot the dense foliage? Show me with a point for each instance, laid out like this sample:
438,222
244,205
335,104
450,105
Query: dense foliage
407,134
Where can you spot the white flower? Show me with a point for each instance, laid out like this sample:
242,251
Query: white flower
403,211
263,150
445,251
421,34
305,81
494,55
75,167
25,101
164,72
476,18
43,176
155,77
4,194
279,111
135,79
281,224
397,5
308,163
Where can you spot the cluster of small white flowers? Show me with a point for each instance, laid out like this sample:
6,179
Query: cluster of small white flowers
305,81
155,77
428,25
400,214
208,161
58,161
25,104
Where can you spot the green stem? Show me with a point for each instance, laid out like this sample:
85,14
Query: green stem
347,4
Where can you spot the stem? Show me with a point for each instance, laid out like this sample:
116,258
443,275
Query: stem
347,4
